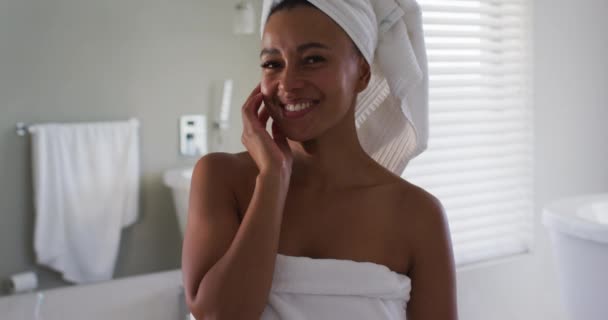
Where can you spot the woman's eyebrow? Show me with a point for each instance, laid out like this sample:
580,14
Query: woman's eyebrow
312,45
270,51
301,48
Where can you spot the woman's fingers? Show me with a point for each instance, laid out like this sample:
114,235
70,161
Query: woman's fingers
263,116
250,116
268,152
251,101
280,139
255,91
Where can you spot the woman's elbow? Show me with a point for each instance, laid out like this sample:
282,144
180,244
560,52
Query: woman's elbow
203,309
201,313
196,305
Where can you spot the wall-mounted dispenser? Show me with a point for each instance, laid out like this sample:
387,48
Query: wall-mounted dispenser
193,135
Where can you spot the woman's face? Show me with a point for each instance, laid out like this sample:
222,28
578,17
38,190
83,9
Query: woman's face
309,63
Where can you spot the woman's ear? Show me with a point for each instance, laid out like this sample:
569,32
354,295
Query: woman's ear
365,74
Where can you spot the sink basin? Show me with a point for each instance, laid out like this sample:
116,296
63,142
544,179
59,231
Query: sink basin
179,182
596,213
578,228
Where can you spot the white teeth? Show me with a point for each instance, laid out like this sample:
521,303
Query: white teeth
298,106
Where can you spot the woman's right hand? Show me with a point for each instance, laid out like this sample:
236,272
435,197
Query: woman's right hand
272,155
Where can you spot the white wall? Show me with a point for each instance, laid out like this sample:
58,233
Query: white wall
571,116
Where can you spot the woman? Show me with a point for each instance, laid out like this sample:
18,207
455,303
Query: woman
306,224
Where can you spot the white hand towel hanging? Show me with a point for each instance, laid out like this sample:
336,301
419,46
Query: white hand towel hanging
86,189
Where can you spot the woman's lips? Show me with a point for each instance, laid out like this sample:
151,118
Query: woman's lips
299,113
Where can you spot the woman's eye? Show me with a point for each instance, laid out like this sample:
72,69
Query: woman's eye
314,59
270,65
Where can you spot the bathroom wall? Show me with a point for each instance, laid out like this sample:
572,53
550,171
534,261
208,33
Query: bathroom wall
571,155
91,60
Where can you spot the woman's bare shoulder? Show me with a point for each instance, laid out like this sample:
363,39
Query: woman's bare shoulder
426,218
229,167
415,209
417,195
423,207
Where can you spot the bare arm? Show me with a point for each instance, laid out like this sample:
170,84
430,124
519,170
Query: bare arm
228,268
433,273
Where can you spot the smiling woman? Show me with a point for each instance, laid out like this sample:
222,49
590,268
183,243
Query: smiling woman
315,219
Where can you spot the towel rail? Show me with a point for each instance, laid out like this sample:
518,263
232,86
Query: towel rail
22,129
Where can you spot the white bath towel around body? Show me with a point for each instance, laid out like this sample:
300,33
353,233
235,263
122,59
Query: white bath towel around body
86,189
330,289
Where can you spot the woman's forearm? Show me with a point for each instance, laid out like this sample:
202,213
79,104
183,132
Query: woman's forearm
237,286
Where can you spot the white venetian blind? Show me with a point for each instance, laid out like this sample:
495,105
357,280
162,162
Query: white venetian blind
479,159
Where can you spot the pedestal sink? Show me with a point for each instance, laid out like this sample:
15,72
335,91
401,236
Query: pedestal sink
179,182
579,232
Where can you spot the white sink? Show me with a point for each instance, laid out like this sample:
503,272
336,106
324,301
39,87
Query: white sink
579,234
179,182
596,212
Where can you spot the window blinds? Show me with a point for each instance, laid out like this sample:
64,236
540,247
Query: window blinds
479,157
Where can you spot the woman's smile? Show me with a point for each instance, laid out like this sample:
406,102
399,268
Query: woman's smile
298,109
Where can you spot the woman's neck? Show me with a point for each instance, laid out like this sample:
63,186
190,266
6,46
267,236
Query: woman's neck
335,160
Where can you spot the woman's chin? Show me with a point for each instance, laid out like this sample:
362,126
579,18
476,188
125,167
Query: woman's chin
299,136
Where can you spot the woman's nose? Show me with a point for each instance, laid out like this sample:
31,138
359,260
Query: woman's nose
290,80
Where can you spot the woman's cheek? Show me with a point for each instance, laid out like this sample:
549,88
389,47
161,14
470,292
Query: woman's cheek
267,87
264,86
268,93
